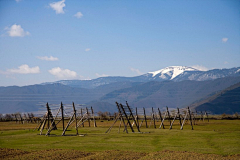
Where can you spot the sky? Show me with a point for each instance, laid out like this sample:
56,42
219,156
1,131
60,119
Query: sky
50,40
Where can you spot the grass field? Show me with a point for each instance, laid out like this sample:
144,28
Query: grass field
217,139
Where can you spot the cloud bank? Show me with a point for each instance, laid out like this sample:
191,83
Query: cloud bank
25,69
63,73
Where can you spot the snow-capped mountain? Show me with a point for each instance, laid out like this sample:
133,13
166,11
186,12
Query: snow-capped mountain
169,73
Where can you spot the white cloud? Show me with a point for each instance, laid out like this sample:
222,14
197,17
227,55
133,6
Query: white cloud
17,31
24,69
87,49
101,75
136,71
58,6
51,58
63,73
78,15
201,68
224,40
17,0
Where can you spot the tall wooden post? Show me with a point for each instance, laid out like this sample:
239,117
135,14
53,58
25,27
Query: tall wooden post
179,117
160,115
21,117
168,116
207,115
75,115
95,125
153,118
88,117
48,114
190,117
145,118
62,115
137,116
82,117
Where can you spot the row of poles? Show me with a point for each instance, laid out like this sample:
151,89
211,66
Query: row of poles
126,114
52,121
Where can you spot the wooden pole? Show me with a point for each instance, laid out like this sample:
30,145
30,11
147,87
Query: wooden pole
119,110
207,115
133,117
48,114
128,122
95,125
173,120
168,115
137,116
75,115
62,115
153,116
190,117
82,118
88,117
145,118
160,115
163,120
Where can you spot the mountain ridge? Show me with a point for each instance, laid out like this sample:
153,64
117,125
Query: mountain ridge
172,73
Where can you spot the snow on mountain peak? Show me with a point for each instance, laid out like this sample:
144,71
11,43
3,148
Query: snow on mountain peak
172,71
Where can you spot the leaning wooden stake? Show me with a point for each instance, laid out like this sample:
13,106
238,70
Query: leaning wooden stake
75,115
188,114
120,112
128,122
110,128
131,115
163,121
160,115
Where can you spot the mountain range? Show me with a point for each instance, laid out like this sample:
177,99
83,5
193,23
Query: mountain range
175,86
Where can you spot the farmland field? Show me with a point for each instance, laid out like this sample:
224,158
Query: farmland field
217,139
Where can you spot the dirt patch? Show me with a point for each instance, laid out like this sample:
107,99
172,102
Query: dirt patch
43,154
112,154
117,155
184,155
11,153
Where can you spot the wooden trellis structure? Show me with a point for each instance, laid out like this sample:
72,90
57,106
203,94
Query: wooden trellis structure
177,116
79,120
125,115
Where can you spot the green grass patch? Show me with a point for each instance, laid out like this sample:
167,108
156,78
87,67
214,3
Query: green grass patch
219,137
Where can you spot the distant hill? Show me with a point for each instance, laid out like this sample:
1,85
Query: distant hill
168,93
226,101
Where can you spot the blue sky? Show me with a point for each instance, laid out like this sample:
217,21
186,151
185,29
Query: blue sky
50,40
